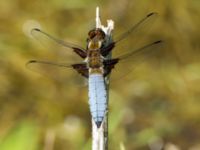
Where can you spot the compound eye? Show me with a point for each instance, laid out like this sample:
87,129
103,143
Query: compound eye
101,34
92,34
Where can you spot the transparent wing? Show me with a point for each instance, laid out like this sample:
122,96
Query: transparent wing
61,72
136,35
129,61
38,32
57,49
51,52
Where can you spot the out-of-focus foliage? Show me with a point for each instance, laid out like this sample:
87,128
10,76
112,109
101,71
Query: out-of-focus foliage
156,106
23,137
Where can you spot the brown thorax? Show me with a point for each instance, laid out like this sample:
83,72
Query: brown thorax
96,39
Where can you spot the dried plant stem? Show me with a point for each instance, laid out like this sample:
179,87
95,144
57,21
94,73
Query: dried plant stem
97,137
49,140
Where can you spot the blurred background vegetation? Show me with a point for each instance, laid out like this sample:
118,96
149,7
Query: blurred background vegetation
156,107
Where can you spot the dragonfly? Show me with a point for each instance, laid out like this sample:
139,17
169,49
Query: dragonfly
96,64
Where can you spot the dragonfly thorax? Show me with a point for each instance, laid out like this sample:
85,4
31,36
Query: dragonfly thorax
94,44
95,60
96,39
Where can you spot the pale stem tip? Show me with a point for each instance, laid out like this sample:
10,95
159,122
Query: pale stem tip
110,23
98,21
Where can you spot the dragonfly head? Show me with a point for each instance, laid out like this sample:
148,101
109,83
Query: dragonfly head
96,38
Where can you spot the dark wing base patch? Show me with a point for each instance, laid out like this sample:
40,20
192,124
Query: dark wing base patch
109,65
82,69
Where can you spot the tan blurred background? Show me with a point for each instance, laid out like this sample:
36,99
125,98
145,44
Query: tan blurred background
157,108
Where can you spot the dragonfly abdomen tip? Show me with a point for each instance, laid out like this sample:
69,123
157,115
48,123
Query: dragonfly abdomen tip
98,123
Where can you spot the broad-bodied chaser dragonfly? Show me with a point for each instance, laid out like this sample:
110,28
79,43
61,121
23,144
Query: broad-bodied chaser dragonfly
96,64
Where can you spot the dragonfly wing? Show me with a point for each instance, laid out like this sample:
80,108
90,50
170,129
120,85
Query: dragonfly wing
61,72
138,34
60,49
127,62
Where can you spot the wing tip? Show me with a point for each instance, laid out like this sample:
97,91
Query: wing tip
30,61
36,29
157,42
152,13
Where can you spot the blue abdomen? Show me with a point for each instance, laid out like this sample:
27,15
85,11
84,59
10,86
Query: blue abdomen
97,98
